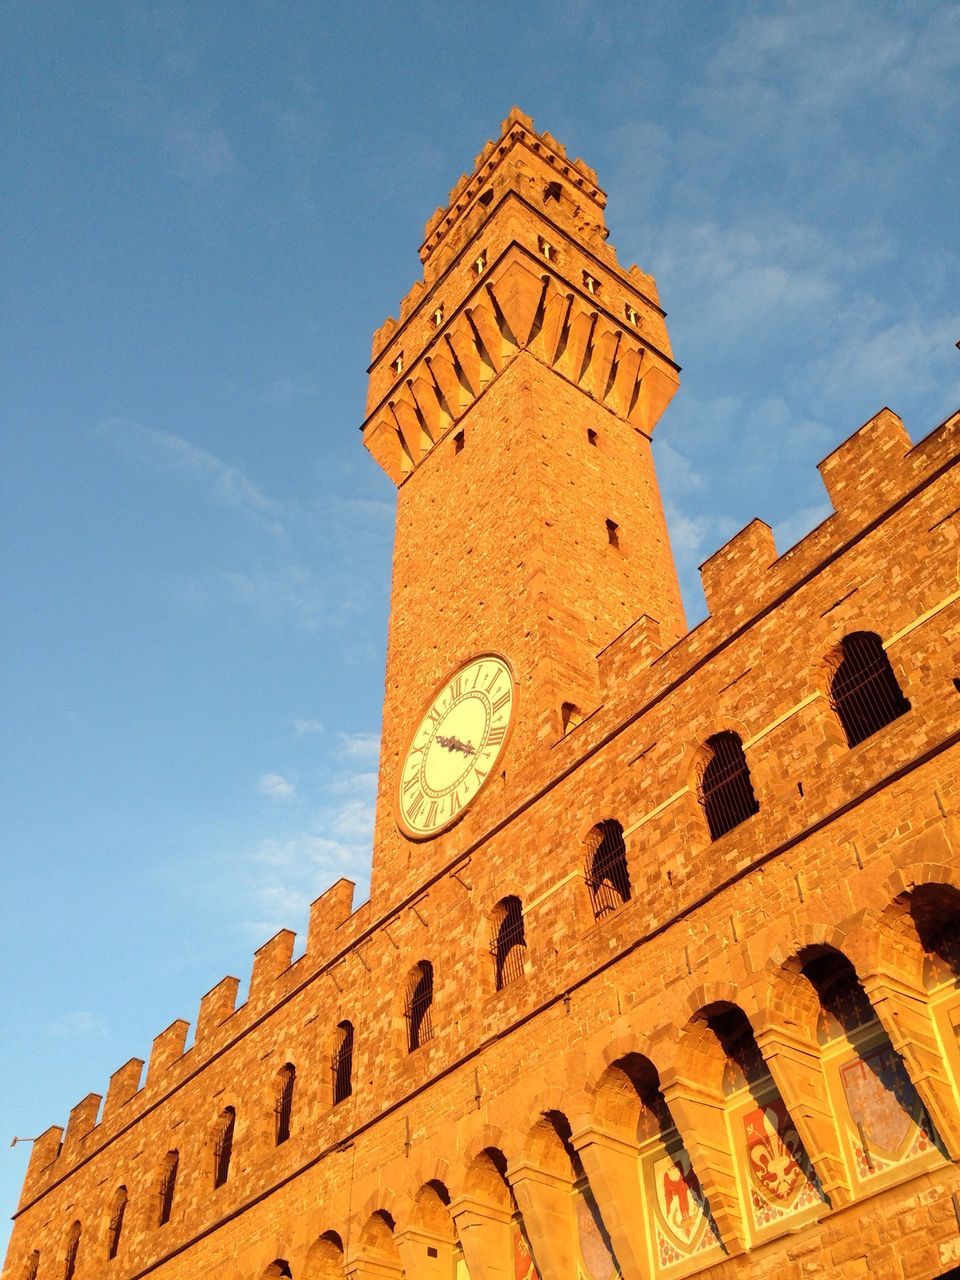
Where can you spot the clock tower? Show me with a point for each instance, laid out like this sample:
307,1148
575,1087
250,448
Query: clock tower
512,404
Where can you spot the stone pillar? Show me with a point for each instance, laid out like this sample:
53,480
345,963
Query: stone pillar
904,1013
549,1216
797,1071
613,1171
369,1266
699,1116
424,1254
485,1234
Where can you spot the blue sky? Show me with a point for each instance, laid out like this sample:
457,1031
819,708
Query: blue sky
208,209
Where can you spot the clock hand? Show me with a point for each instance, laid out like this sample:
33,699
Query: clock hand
454,744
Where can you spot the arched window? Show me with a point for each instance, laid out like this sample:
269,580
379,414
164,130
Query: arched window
283,1102
168,1185
607,877
73,1245
223,1145
343,1063
33,1266
864,690
509,945
419,1006
115,1225
726,791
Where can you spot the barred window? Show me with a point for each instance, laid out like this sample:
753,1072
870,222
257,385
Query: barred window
283,1102
115,1226
343,1063
726,792
864,690
223,1145
168,1185
607,876
70,1259
419,1006
509,945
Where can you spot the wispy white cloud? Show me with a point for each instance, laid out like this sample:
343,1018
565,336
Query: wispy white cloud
313,598
287,391
276,787
788,531
198,151
285,873
359,746
306,572
166,452
876,351
303,727
76,1024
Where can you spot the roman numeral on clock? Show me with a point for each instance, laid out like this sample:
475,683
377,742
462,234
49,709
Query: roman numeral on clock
416,804
501,702
496,735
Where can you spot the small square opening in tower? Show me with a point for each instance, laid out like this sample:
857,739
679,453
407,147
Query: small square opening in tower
480,263
570,716
438,316
592,438
458,442
398,362
547,249
613,533
591,284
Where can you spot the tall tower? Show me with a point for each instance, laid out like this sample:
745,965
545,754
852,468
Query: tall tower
513,404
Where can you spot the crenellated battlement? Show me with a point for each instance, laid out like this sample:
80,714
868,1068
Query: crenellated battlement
334,926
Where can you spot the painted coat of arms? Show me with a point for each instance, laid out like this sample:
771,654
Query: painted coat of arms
881,1098
680,1200
774,1152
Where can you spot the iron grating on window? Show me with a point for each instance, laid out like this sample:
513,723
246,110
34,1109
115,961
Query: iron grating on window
607,876
73,1245
864,690
726,792
283,1102
223,1147
509,945
168,1184
419,1006
343,1063
115,1228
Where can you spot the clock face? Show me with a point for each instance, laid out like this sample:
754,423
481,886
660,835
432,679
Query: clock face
456,745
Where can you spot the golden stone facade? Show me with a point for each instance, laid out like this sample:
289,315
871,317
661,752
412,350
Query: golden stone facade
674,989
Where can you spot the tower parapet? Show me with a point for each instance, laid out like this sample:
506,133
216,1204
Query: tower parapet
518,260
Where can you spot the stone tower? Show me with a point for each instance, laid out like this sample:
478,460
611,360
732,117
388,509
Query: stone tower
513,405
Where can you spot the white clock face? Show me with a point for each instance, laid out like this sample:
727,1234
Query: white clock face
456,745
